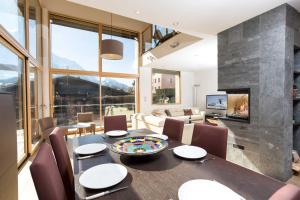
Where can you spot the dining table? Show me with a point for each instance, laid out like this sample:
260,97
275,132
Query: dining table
158,177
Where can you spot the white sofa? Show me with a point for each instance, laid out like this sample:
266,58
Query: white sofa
155,121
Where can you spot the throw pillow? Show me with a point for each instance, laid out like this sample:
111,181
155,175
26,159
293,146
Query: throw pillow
168,113
187,112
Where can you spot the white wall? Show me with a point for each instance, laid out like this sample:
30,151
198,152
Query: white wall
187,82
208,80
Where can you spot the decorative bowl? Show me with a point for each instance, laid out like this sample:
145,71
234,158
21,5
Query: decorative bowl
139,146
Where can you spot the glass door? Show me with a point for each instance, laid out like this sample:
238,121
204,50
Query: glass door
35,105
12,68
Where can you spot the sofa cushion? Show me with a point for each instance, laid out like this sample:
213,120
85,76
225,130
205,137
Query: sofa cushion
187,112
196,117
185,119
158,113
168,113
176,112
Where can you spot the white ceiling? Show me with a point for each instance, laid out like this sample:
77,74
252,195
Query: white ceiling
203,18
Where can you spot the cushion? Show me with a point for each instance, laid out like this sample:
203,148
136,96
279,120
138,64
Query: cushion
176,112
196,117
158,113
168,113
187,112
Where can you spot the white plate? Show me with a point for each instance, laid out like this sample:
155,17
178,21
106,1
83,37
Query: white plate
189,152
206,190
160,136
116,133
103,176
90,149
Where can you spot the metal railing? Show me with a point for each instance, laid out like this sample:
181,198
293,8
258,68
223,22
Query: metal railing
155,35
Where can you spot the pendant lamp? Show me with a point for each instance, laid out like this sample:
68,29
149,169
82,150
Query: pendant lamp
111,49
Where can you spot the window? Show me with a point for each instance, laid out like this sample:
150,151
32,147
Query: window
129,63
73,94
168,88
35,29
118,96
12,18
74,45
11,81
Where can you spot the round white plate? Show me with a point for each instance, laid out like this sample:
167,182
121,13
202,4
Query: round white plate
90,149
160,136
189,152
116,133
206,190
103,176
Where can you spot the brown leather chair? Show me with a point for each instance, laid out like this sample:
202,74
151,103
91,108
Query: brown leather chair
173,129
45,175
117,122
211,138
287,192
47,126
87,118
63,161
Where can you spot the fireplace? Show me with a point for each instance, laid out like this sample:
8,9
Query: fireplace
238,104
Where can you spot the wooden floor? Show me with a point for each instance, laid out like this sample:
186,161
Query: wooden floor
27,191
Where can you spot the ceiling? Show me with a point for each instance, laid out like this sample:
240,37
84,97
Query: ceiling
202,18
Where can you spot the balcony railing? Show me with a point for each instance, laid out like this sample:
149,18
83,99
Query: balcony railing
155,35
67,114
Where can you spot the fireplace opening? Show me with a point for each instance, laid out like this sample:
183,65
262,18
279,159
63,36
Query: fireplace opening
238,104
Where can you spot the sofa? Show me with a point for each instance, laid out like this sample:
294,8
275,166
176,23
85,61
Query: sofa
155,121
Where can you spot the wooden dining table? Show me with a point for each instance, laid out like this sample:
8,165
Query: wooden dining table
158,177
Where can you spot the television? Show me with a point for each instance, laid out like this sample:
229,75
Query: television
216,102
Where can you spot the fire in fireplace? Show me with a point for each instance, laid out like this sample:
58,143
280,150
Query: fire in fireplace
238,106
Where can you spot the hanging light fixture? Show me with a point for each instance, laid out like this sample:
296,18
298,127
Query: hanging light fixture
111,49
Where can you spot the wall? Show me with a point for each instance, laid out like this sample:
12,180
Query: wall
257,55
207,78
187,82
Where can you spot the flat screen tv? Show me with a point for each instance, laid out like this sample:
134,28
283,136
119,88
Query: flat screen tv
216,102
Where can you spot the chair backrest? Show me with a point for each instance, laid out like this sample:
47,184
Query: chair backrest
211,138
45,175
46,123
173,129
63,161
287,192
117,122
85,117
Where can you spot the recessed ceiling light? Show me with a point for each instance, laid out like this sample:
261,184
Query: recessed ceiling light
137,12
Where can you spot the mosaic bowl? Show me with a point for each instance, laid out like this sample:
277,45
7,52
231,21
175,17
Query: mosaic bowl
139,146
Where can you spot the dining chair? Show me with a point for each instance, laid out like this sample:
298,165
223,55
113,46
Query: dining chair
63,161
45,175
173,129
117,122
47,126
87,118
211,138
287,192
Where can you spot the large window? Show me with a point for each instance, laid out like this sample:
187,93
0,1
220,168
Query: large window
74,46
12,18
118,96
12,81
73,94
129,63
77,74
35,29
165,86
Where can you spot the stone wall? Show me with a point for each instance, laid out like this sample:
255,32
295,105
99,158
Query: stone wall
257,54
